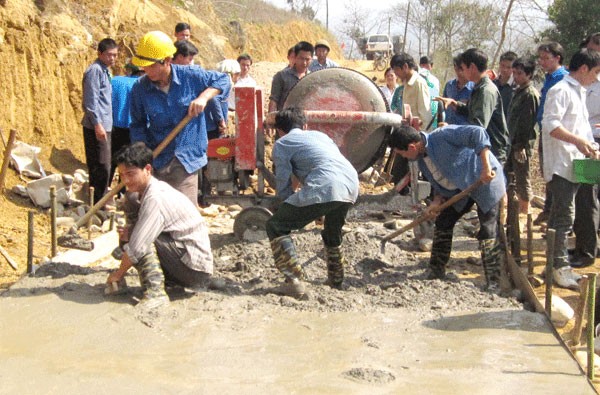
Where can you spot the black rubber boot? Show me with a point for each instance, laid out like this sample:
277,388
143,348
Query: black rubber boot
490,256
440,254
335,266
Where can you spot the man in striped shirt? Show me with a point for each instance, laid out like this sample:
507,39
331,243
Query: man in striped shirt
169,239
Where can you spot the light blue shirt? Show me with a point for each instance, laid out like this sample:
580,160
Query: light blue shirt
316,66
325,174
454,150
97,97
155,113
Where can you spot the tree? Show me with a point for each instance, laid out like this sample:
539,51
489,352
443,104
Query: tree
307,9
573,20
355,25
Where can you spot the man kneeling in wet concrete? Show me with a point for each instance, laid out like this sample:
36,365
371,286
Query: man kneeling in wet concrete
452,158
329,187
169,238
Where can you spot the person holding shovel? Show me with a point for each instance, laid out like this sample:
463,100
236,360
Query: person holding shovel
161,99
169,240
452,158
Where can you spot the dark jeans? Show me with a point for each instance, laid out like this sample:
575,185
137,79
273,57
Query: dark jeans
488,222
98,158
170,256
288,218
585,225
119,139
562,214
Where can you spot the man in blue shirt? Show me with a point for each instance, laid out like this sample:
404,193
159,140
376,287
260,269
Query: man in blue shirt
121,98
459,89
97,119
452,158
161,99
329,187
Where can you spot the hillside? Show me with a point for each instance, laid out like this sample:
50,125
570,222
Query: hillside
46,45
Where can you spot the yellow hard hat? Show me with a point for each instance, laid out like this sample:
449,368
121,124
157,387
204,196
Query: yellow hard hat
153,47
322,43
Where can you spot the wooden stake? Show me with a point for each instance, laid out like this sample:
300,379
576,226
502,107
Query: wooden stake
6,159
581,310
53,220
8,258
30,242
591,297
89,224
550,237
529,243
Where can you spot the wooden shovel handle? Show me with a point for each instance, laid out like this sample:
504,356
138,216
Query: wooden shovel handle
441,207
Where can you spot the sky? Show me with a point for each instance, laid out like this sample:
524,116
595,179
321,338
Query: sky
338,9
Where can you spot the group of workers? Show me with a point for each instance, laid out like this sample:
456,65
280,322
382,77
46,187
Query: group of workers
169,242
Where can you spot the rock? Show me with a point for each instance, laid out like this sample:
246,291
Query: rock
20,190
425,244
80,211
391,224
95,228
234,214
210,211
561,311
39,190
234,207
65,221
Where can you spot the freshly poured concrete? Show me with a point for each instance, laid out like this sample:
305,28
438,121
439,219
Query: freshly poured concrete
85,345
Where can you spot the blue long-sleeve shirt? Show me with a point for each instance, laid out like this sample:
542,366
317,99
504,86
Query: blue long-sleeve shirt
454,151
463,95
215,111
549,82
121,98
97,97
326,175
155,113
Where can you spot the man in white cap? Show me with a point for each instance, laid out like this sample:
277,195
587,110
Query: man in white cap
322,49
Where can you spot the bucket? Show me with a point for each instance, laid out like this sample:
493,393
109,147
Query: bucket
587,171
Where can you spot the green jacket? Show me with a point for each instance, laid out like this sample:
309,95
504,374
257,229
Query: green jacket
485,109
522,113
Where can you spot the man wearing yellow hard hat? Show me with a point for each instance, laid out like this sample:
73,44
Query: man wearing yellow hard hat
322,49
161,99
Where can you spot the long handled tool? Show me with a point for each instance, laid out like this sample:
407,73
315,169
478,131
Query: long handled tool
71,239
422,218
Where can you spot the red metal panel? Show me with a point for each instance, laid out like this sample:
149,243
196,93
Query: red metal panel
221,148
246,113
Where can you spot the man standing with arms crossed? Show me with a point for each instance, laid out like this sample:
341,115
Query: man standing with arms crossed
97,116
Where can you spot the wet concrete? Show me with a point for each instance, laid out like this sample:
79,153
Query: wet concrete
61,345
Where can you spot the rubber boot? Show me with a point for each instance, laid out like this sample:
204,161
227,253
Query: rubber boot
286,261
440,254
153,282
490,256
335,266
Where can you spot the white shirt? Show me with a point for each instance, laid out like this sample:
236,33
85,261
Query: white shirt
565,106
247,81
387,92
593,106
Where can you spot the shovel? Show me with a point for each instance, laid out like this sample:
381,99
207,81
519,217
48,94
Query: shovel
424,217
71,239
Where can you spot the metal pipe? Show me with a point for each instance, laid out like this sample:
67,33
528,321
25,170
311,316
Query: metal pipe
550,238
53,220
350,117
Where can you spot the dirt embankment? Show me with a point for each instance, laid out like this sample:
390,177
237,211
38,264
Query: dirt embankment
47,44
